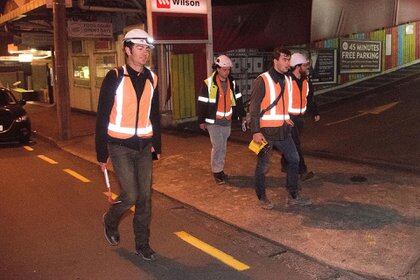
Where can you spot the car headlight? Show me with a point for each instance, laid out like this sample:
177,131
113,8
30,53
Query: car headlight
22,118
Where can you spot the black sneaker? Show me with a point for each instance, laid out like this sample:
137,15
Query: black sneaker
266,204
112,236
298,201
146,253
220,177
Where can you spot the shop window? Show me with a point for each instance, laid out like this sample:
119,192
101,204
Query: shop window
77,47
81,74
103,45
104,63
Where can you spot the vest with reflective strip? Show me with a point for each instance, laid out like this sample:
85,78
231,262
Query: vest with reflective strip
276,116
299,101
122,121
212,91
224,106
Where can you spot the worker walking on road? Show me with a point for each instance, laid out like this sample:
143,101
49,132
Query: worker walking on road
302,101
219,103
128,131
270,122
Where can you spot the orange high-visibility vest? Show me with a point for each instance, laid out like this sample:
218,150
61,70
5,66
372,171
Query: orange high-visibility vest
299,98
122,121
276,116
224,105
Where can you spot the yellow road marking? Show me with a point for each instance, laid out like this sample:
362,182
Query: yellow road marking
114,197
376,111
347,119
221,256
28,148
77,175
47,159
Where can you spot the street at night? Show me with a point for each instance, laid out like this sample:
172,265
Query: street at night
209,139
52,229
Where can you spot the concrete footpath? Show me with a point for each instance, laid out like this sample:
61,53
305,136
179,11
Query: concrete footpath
371,228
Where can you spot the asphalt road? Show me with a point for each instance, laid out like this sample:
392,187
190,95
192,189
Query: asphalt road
51,228
381,127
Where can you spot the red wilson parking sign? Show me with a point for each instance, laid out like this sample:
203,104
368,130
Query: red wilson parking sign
163,4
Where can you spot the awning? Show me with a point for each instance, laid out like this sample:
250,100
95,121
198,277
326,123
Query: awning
18,12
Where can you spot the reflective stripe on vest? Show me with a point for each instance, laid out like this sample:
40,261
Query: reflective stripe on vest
122,121
276,116
224,105
212,91
299,98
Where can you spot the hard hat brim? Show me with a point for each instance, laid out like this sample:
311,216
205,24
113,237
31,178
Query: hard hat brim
140,42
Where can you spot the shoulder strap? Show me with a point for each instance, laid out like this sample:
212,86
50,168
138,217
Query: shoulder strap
120,72
282,85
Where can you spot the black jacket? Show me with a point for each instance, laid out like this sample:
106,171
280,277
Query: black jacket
207,110
105,104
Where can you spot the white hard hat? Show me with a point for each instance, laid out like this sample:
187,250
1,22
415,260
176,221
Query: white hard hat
223,61
139,36
298,58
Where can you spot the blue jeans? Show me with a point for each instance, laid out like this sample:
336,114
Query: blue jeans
219,135
288,148
134,172
296,132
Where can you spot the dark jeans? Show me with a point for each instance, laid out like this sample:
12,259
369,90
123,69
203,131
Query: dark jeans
296,132
134,171
287,147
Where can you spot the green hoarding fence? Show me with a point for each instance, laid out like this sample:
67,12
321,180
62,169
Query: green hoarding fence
182,86
405,47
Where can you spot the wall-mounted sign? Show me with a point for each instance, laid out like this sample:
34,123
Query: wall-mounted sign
357,56
323,66
37,39
178,21
84,29
179,6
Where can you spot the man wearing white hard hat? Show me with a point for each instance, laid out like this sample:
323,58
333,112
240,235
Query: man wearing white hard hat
302,102
128,132
219,104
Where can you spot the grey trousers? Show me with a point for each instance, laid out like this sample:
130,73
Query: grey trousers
218,137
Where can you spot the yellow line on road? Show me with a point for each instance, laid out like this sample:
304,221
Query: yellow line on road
28,148
347,119
221,256
77,175
47,159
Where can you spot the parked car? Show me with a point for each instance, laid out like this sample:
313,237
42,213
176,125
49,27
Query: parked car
14,121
